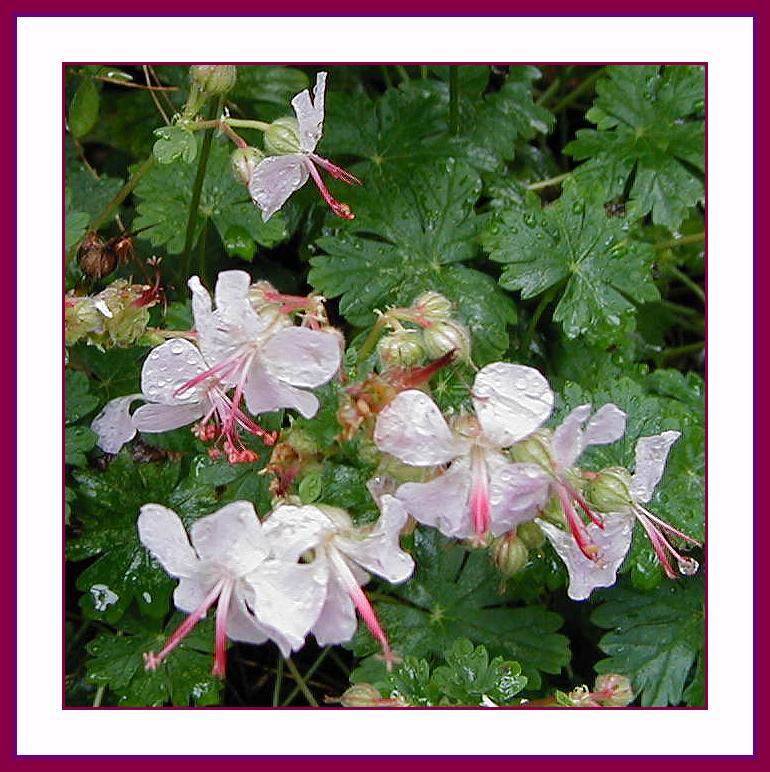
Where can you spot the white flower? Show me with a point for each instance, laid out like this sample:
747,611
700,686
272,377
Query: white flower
481,490
347,556
259,595
276,177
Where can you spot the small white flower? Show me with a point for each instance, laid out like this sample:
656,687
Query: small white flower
227,560
346,556
481,490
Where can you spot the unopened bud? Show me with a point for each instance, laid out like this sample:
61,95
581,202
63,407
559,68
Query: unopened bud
366,696
531,534
445,337
402,348
613,690
433,306
213,78
282,137
80,319
610,490
509,554
243,161
535,449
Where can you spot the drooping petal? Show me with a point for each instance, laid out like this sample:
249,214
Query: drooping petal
568,439
412,429
310,115
651,456
275,179
337,621
442,503
586,575
264,394
379,551
242,626
292,530
113,426
511,401
162,532
516,492
231,538
163,418
168,367
286,598
607,425
302,357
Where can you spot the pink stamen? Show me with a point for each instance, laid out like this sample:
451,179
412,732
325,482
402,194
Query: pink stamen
670,528
663,547
479,498
576,526
340,209
336,171
223,608
152,660
582,504
658,543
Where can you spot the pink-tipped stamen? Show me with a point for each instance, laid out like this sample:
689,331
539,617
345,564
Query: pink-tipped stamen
336,171
582,504
340,209
479,498
662,547
152,660
670,528
576,526
223,608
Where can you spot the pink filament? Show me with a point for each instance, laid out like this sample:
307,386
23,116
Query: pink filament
479,499
223,608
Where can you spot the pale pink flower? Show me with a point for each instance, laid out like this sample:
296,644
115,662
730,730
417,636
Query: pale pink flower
229,561
481,490
276,177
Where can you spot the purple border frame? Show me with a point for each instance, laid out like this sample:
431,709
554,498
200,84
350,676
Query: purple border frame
746,8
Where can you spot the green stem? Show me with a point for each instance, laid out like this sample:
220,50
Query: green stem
547,183
386,76
338,661
122,194
424,71
371,339
541,306
308,676
693,286
98,697
454,100
679,351
278,682
403,73
692,238
301,682
195,199
578,91
242,123
549,92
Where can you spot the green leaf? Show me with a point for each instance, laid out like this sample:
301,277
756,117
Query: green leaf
454,594
410,234
164,197
78,440
572,248
108,507
88,193
649,138
79,401
656,638
239,243
84,108
75,226
174,142
268,90
185,678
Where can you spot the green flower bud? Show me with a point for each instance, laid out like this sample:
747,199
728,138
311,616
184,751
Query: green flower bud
553,512
402,348
367,696
213,79
282,136
243,161
531,535
447,336
509,554
80,318
433,306
535,449
613,690
610,490
125,320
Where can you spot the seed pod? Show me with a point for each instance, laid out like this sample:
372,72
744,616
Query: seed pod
509,554
95,257
213,79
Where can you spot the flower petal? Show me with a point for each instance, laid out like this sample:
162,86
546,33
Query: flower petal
163,418
231,538
607,425
651,456
293,530
242,626
162,532
310,115
264,393
379,551
586,575
337,621
113,425
442,503
168,367
412,429
568,439
286,598
274,179
192,590
302,357
516,492
511,401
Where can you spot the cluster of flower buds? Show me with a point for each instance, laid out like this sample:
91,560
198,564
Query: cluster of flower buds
610,691
115,317
247,350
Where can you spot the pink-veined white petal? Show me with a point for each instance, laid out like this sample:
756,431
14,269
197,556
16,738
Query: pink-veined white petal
511,401
516,492
568,438
163,418
651,456
412,429
113,426
192,590
302,357
310,114
264,394
168,367
606,425
274,179
163,534
337,621
242,626
292,530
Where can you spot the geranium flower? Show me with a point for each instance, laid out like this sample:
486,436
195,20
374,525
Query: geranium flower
481,490
259,595
347,555
276,177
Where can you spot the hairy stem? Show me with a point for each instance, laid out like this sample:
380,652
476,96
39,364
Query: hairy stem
547,183
278,682
577,92
301,682
321,657
122,194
